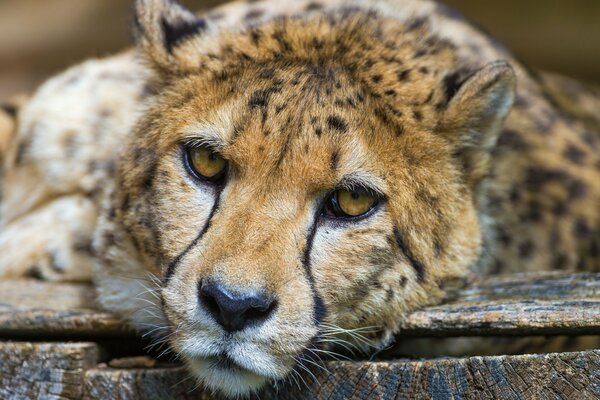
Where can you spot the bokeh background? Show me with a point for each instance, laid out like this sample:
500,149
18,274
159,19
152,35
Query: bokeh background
41,37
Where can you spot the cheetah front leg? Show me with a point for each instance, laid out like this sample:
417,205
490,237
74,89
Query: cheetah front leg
53,242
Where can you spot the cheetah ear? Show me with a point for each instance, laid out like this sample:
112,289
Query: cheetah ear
474,116
161,28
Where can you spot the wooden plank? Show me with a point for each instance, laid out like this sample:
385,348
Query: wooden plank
520,304
141,384
31,308
535,304
564,375
44,370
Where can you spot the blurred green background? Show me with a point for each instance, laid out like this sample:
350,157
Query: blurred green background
40,37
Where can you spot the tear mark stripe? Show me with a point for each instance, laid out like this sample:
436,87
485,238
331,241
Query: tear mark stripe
319,310
173,264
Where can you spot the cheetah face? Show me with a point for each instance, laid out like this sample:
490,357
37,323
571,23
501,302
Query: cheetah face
293,196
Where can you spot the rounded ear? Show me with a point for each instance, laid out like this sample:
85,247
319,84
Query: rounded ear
474,116
160,27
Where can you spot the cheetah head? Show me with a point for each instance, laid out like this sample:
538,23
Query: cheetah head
298,184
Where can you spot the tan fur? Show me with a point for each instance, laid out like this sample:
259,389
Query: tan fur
401,96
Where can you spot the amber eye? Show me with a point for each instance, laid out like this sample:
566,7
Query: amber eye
206,163
345,203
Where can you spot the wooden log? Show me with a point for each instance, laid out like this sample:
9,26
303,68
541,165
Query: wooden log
141,384
31,308
564,375
520,304
538,304
44,370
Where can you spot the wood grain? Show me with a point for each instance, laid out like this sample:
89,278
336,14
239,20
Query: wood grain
565,375
564,304
31,308
44,370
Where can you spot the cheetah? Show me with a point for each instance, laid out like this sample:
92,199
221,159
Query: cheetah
255,185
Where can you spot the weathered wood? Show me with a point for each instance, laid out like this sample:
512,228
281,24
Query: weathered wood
141,384
565,375
30,308
539,304
532,304
44,370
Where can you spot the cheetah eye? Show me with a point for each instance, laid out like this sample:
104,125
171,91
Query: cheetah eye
350,203
206,164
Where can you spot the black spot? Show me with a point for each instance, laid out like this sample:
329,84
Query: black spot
350,102
267,73
590,139
437,248
337,124
335,158
403,281
84,245
318,131
369,63
313,6
582,229
515,194
176,33
536,177
416,264
403,75
503,236
526,249
417,23
23,150
255,36
574,154
376,78
420,53
418,116
424,70
34,272
513,140
399,130
560,261
253,14
560,209
390,92
577,190
259,98
534,214
389,295
10,109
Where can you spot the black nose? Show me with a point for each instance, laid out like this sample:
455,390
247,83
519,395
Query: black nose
235,310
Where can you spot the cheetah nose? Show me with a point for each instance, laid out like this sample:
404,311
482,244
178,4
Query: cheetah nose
235,310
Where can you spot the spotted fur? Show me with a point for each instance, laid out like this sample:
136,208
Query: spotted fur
480,168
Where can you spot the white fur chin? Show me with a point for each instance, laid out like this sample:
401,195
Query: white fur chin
233,384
